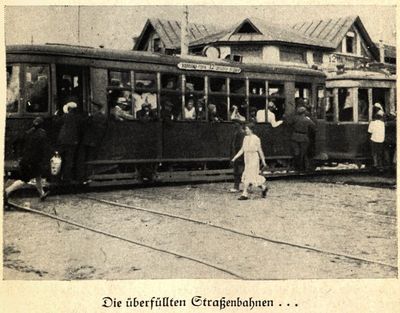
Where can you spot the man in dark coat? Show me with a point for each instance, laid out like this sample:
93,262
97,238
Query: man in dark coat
34,158
238,165
68,140
93,135
302,126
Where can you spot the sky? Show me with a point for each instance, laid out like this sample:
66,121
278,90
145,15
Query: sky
114,26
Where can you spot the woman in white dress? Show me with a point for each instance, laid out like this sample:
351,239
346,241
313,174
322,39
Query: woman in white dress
253,153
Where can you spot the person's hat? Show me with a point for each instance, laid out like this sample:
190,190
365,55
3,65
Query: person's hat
378,105
69,106
301,110
38,121
380,113
146,104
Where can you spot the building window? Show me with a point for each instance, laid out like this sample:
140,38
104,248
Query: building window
292,55
156,45
350,42
317,57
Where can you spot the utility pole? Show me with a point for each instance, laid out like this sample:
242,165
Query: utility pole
184,32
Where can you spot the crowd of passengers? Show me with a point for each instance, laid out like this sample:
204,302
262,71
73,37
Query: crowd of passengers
145,108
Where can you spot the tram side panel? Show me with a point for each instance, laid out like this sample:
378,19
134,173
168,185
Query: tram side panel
349,142
195,140
274,141
131,140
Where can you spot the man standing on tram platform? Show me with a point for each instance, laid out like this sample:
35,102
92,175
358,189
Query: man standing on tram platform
68,140
302,126
377,130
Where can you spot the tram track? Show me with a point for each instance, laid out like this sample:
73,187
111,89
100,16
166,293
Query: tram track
240,233
115,236
201,254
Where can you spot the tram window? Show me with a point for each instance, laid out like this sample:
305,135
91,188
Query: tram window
238,86
145,96
145,81
238,108
170,82
329,109
217,84
276,94
276,91
217,108
363,105
303,95
257,87
144,99
123,100
171,106
37,88
320,102
345,105
256,104
13,88
194,83
120,79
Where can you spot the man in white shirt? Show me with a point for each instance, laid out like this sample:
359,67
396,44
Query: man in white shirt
377,130
260,117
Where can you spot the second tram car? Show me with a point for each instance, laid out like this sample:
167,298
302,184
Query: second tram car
153,140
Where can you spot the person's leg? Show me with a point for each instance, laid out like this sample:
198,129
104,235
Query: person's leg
264,189
245,194
296,154
304,155
18,184
68,153
374,154
237,175
380,155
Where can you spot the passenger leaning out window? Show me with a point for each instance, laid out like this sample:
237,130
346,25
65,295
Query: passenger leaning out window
189,111
235,115
121,110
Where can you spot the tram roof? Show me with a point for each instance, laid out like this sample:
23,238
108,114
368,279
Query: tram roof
149,57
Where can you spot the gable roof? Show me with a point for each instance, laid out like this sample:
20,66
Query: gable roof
170,32
263,32
334,30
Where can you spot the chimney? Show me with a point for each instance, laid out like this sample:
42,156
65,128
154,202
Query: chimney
184,32
381,52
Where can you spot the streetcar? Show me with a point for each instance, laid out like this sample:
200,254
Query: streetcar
41,77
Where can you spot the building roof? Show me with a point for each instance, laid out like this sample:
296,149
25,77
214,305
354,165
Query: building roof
170,32
390,51
262,32
333,30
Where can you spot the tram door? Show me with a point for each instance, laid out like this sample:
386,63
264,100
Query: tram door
71,86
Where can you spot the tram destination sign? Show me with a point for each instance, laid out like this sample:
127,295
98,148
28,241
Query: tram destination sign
208,67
